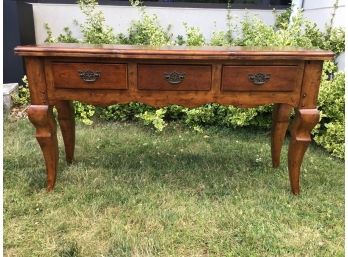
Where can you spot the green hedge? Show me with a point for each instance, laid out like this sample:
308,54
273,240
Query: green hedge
251,31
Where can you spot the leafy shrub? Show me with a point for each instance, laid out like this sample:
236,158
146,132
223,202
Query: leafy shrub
174,112
334,40
95,30
204,115
282,19
331,96
332,138
49,38
146,31
219,38
225,38
23,96
154,118
67,37
84,112
330,133
194,36
256,33
123,112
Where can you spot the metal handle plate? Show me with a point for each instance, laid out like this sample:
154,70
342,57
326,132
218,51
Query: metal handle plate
89,76
174,77
259,78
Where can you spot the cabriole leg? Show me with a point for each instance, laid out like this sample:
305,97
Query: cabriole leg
66,121
41,116
300,130
280,121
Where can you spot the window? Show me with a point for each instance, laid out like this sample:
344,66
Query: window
238,4
235,4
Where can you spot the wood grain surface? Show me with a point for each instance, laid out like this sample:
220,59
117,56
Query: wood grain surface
153,77
281,78
172,52
111,76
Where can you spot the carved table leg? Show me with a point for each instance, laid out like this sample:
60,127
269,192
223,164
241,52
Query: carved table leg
41,116
66,121
280,117
301,127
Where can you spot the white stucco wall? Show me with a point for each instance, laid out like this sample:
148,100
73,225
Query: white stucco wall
119,17
320,12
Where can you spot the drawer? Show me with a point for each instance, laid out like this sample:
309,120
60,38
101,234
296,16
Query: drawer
90,75
174,77
259,78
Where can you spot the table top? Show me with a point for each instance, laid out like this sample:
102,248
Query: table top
142,51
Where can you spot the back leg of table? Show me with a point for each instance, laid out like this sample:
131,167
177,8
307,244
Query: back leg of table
66,121
280,122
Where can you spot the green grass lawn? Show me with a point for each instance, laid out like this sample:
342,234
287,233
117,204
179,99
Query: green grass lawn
136,192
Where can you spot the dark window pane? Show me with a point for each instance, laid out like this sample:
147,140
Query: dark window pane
235,3
280,2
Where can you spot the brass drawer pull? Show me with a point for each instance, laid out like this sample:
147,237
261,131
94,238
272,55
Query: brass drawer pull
89,76
174,77
259,78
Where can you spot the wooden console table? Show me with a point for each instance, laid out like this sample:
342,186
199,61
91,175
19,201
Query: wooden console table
107,74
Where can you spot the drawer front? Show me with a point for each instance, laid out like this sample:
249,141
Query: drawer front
259,78
174,77
90,75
